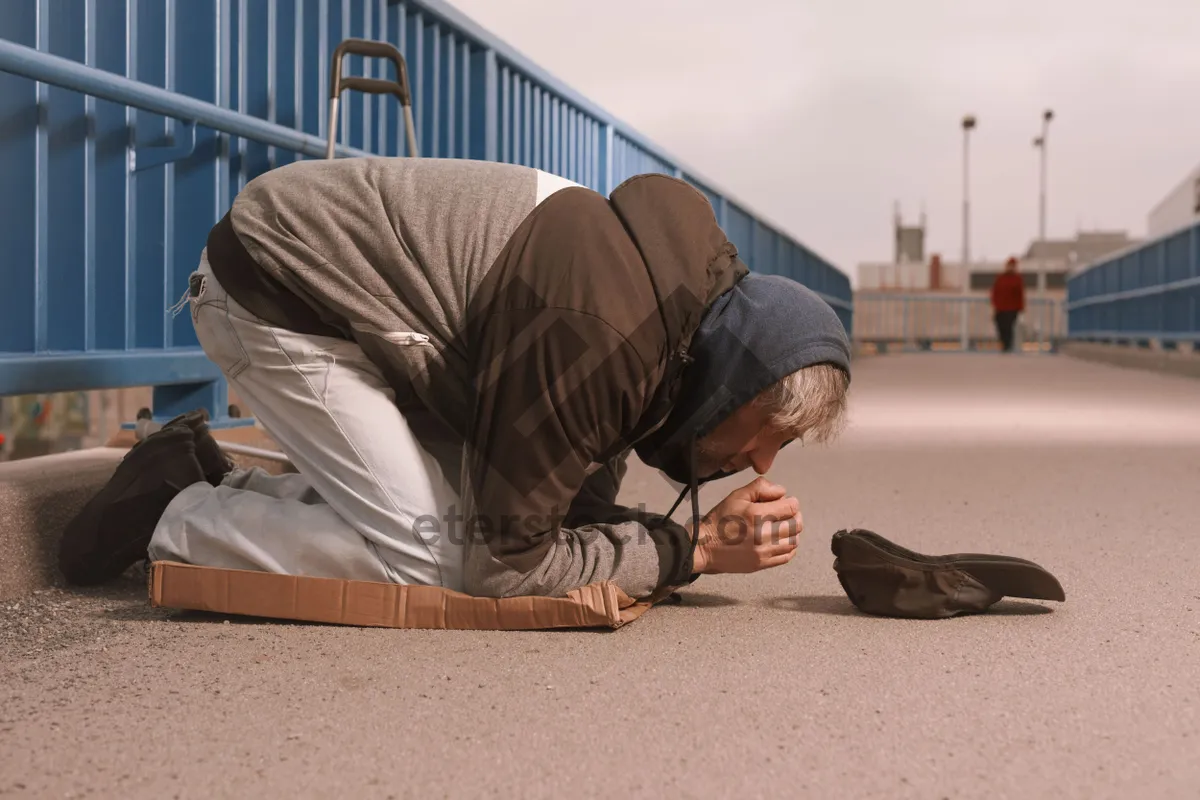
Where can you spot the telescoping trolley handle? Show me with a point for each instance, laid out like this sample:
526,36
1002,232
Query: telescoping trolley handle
398,87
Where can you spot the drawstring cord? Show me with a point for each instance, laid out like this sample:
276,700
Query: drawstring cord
695,483
182,304
196,284
678,500
693,487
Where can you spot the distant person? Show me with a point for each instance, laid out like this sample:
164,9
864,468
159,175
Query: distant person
1008,300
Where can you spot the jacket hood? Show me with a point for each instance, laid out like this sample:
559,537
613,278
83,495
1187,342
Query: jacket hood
761,330
675,230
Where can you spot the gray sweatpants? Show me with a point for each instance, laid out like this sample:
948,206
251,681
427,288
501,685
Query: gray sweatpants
368,475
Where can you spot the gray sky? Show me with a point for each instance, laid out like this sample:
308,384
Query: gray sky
821,113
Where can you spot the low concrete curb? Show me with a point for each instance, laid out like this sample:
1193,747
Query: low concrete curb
1150,359
39,496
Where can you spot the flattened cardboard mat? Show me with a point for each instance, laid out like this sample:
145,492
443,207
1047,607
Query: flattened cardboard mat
382,605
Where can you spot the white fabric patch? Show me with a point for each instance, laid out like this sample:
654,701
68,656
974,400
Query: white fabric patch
548,184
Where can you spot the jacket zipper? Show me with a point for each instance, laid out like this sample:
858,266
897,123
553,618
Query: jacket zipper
395,337
406,337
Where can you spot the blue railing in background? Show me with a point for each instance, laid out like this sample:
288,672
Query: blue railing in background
1147,293
127,127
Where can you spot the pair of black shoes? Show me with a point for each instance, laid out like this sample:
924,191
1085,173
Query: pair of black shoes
113,530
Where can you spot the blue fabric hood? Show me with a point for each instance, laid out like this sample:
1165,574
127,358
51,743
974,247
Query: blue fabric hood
763,329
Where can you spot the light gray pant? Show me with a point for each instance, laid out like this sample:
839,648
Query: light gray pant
369,488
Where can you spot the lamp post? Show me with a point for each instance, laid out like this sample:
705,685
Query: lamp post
1041,144
968,124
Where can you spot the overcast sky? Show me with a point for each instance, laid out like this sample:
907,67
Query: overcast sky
821,113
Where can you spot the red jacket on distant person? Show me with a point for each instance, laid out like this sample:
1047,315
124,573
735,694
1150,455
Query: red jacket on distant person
1008,292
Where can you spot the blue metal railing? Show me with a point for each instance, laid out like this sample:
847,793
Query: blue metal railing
121,147
1150,292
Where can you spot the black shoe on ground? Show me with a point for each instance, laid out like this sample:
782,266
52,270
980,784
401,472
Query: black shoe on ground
213,461
114,529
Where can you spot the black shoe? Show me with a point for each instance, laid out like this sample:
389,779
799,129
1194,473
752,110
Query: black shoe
114,529
212,458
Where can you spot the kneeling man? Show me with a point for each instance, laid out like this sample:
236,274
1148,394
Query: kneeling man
459,357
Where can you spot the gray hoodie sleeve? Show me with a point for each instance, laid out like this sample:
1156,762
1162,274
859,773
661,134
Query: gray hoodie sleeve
596,505
541,524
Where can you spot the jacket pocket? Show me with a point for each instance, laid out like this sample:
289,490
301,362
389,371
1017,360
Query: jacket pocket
221,343
404,338
405,357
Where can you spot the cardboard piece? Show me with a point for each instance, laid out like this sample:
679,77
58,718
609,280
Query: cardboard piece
384,605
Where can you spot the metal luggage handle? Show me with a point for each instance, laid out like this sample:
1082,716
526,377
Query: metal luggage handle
399,87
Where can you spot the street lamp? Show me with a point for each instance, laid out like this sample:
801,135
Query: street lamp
1041,143
968,124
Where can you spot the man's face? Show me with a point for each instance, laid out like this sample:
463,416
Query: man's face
744,440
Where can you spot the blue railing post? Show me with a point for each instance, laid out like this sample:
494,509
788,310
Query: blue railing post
491,110
1160,304
1194,261
606,161
748,256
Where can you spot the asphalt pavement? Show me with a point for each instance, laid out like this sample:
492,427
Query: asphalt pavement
763,685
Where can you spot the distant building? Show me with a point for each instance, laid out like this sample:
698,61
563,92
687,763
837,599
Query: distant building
912,299
1086,247
1061,257
1065,256
1181,207
907,270
910,240
935,275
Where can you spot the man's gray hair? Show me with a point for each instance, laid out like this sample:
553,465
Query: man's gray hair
810,402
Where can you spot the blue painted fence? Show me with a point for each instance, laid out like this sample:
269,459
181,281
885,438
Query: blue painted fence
128,126
1148,293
